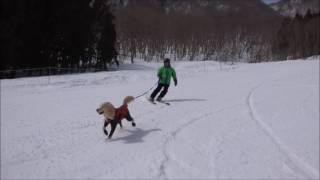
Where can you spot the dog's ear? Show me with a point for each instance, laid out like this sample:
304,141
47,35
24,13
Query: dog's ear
128,99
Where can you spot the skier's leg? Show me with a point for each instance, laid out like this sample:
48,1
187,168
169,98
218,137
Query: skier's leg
163,92
113,127
156,91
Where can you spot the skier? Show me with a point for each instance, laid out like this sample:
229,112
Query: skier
164,74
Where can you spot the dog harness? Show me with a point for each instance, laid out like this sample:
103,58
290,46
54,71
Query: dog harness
121,112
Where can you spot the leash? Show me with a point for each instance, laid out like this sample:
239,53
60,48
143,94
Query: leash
146,91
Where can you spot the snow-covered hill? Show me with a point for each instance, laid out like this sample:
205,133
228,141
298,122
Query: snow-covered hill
241,121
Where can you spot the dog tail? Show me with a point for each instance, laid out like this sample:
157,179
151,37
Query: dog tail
128,99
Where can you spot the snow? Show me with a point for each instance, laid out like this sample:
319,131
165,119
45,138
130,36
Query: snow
241,121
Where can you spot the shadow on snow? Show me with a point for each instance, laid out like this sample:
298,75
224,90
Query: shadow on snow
135,136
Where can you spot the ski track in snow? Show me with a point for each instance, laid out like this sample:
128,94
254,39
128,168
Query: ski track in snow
295,161
172,137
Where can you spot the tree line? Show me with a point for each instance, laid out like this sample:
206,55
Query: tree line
86,35
60,34
151,32
298,37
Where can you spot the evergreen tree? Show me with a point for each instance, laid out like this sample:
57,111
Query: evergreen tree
106,34
61,33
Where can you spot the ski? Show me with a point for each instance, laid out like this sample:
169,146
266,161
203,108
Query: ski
152,102
155,102
163,102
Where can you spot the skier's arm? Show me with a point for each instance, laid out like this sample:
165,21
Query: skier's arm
159,73
174,76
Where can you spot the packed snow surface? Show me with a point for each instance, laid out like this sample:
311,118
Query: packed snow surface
241,121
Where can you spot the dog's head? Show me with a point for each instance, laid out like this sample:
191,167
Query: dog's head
107,109
99,110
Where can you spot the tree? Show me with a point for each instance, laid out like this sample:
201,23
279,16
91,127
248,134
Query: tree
298,37
106,34
40,33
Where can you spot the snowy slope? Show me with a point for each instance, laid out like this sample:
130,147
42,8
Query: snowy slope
243,121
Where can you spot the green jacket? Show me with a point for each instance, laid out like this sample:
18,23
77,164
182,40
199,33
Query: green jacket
165,74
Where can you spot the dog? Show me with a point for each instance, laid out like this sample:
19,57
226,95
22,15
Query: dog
114,115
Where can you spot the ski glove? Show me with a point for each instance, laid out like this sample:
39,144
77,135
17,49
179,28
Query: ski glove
133,124
159,79
175,82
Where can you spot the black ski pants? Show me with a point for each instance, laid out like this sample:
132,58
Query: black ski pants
158,89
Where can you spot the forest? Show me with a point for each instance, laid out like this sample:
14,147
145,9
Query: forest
47,37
